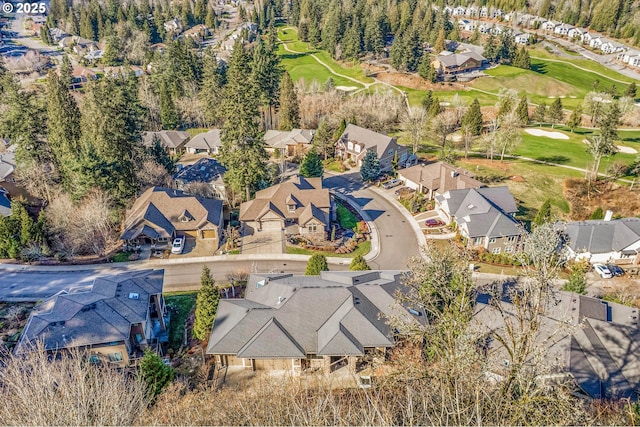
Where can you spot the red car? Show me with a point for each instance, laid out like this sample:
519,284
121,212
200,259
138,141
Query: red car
433,222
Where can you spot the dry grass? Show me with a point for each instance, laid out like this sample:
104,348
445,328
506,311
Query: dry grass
585,198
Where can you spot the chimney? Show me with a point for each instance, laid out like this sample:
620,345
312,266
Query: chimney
608,215
454,174
279,300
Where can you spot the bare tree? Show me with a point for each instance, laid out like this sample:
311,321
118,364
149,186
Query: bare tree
150,174
151,101
414,123
599,147
442,126
40,180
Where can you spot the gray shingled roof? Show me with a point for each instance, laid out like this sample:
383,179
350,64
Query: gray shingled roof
100,314
7,162
286,316
204,170
440,177
598,236
281,138
167,138
482,211
368,139
206,140
161,209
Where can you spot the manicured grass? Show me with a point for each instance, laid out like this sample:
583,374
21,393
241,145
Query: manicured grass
335,166
184,303
354,71
362,249
346,219
195,131
121,256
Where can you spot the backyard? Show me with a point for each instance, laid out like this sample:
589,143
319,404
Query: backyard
181,305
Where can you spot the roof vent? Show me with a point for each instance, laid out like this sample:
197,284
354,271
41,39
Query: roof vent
608,215
134,295
454,174
280,300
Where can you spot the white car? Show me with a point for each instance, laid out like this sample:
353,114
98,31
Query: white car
178,245
603,271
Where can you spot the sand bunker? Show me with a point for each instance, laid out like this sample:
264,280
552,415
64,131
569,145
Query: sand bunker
545,133
346,88
621,148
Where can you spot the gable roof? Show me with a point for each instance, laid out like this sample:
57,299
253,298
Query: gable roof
280,139
7,162
100,313
305,191
482,211
459,59
440,177
286,316
598,236
206,140
168,138
368,139
158,210
204,170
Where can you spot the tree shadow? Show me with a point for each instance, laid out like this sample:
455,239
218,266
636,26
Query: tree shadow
290,55
553,159
540,68
374,213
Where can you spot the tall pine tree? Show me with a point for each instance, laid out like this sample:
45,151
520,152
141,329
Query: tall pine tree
206,305
289,107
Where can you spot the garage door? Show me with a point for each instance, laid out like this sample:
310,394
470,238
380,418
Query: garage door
271,225
209,234
273,364
190,233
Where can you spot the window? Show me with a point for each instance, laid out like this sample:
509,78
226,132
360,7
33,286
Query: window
163,239
350,145
313,228
508,249
357,148
477,241
94,358
390,152
115,357
492,240
292,208
495,251
511,239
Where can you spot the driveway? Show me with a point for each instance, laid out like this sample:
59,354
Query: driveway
263,242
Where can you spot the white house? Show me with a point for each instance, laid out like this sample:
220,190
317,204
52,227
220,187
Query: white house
522,38
549,25
603,240
626,56
576,33
609,46
563,29
458,11
634,61
587,37
596,42
471,12
484,12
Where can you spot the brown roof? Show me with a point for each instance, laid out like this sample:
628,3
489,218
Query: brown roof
168,138
301,191
162,210
440,177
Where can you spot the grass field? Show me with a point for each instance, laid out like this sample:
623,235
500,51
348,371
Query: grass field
362,249
183,302
346,219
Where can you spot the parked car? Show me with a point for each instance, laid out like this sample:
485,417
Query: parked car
615,270
390,184
178,245
434,222
602,270
403,191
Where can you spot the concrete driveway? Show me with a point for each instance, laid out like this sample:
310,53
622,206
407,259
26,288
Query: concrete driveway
263,242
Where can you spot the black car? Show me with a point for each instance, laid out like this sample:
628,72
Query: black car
615,270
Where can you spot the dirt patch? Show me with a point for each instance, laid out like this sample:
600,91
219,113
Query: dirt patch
13,318
412,81
584,198
517,178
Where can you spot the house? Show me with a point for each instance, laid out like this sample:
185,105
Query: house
484,28
122,71
161,214
455,63
8,164
57,34
114,319
484,12
563,29
484,216
437,178
5,203
596,42
609,46
466,25
206,171
459,11
603,240
65,42
522,38
588,343
627,56
308,323
471,12
299,206
549,25
207,142
587,37
576,33
289,143
634,61
497,30
199,32
172,141
81,75
173,26
94,55
356,141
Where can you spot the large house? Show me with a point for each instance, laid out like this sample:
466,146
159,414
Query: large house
299,206
208,142
437,178
205,171
115,318
454,63
289,143
306,323
356,141
586,342
603,241
161,214
173,141
485,217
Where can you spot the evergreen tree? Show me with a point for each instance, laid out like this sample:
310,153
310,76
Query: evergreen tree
491,48
472,119
66,72
440,45
631,91
575,120
211,20
522,110
370,168
155,374
110,55
358,263
428,100
266,74
544,214
597,214
522,59
426,70
555,112
323,139
168,111
352,41
243,152
540,113
289,107
206,305
610,122
316,264
435,108
212,90
311,166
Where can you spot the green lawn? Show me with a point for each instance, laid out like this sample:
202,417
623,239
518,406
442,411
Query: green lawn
184,302
362,249
346,219
121,256
195,131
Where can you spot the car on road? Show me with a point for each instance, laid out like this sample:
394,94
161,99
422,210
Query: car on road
603,271
390,184
178,245
404,191
434,222
615,270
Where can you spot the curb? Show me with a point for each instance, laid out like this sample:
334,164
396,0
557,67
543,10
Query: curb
375,238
